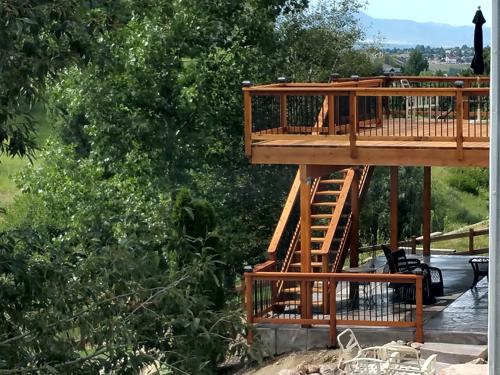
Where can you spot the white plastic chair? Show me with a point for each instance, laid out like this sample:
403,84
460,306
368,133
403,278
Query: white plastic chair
396,367
406,353
365,366
350,348
349,345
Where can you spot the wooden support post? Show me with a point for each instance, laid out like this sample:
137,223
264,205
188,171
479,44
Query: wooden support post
247,102
471,240
426,227
333,313
466,107
305,241
331,114
380,112
249,306
419,323
413,244
354,253
284,113
460,124
394,208
353,122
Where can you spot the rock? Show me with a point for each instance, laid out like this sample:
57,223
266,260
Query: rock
478,361
329,369
312,369
416,345
466,369
288,372
301,369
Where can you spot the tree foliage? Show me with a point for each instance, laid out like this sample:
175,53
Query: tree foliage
416,63
115,264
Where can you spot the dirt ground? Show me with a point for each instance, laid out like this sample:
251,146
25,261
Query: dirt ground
291,360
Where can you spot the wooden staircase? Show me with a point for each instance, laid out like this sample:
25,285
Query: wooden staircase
331,222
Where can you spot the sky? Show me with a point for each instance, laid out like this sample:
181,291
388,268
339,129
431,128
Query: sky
453,12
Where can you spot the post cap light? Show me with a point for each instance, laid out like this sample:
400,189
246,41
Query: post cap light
283,80
247,83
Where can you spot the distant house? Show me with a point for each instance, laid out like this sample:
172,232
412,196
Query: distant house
450,59
390,70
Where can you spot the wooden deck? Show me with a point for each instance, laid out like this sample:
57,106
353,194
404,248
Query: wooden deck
370,122
413,146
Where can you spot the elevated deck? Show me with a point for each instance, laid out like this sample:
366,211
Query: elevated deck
370,121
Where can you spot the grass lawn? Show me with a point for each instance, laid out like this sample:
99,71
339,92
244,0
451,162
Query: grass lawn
9,167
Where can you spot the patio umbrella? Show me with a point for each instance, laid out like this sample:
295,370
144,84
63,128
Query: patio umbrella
478,61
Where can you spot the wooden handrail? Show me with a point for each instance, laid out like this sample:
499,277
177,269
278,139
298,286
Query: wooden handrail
285,215
363,91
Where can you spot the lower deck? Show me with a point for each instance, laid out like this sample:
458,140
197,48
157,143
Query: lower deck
459,317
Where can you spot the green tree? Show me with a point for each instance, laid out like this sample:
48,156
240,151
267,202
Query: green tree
319,40
416,63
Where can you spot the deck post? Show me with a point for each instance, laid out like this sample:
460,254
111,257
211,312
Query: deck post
284,113
394,208
426,227
494,230
460,124
247,102
305,241
471,240
333,313
354,253
466,107
419,316
331,114
353,122
249,305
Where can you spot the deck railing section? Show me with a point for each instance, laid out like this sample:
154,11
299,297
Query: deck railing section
335,299
366,110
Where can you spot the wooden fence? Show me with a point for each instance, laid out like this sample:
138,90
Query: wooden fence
471,234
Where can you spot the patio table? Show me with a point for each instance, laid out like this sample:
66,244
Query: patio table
480,267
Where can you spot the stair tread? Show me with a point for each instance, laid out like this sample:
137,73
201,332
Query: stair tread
313,264
332,181
329,204
317,239
296,302
317,252
328,192
321,216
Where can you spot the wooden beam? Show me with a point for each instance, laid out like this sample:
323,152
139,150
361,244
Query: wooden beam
331,115
460,124
386,156
283,112
247,102
354,249
426,227
285,214
305,241
353,121
394,208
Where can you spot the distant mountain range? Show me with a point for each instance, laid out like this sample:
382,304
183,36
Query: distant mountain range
405,33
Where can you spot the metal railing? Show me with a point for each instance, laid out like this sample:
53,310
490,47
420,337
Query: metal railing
432,109
384,300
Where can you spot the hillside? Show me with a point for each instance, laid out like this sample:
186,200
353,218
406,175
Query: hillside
405,33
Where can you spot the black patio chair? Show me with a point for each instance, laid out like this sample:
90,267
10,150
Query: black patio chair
436,276
406,292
